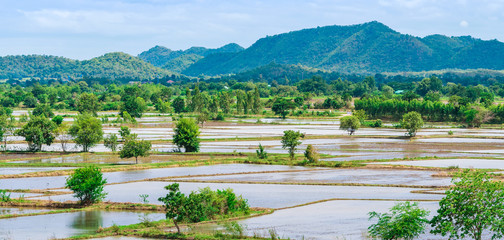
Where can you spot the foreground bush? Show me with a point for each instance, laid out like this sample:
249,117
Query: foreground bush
201,205
87,184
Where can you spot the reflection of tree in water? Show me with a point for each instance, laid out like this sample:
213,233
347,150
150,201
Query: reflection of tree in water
91,220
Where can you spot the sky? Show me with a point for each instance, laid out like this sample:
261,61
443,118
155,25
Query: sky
83,29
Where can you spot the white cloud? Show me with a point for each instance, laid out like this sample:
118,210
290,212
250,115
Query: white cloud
464,23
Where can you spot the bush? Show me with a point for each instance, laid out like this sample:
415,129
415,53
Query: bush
87,184
187,135
405,221
201,205
311,154
261,153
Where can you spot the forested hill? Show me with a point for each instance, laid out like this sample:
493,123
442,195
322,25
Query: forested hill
179,60
111,66
370,47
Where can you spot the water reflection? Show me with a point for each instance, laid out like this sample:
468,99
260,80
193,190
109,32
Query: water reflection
87,220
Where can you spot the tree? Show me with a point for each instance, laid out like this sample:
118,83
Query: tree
202,118
290,140
474,204
281,106
39,130
111,142
178,105
7,128
350,123
135,148
87,103
132,102
405,221
43,109
412,121
311,154
61,134
174,204
261,153
162,107
124,132
86,131
187,135
87,184
58,119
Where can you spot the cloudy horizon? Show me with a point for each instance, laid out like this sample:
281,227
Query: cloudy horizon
81,29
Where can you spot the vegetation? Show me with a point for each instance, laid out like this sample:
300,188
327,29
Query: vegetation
135,148
474,204
86,131
311,154
290,140
202,205
39,130
261,153
412,121
87,184
111,142
350,123
187,135
404,221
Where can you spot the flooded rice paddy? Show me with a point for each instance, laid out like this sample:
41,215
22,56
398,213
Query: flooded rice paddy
310,203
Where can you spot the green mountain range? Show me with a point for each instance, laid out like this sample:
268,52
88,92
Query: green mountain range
178,61
364,48
111,65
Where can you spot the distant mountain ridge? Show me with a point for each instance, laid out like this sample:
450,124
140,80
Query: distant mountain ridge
370,47
366,48
111,65
177,61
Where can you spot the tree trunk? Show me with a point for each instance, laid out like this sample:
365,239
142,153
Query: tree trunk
177,226
136,162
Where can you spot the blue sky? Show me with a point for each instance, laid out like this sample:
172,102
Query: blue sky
83,29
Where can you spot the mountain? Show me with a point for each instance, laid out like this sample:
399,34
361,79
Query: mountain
160,56
111,65
366,48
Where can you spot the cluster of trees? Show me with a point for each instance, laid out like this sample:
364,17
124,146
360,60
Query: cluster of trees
201,205
472,208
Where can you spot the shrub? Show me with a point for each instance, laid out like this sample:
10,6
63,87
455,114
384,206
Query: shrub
201,205
261,153
405,221
311,154
187,135
87,184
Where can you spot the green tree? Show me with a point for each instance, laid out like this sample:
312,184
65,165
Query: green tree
135,148
87,103
124,132
311,154
86,131
37,131
350,123
87,184
178,105
290,140
404,221
162,107
261,153
7,128
412,121
187,135
132,102
281,106
474,204
111,142
43,109
174,204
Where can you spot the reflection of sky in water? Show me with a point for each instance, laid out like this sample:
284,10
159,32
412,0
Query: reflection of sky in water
65,225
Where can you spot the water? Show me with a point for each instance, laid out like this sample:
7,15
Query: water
16,210
125,176
259,195
327,220
20,170
64,225
361,176
461,163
